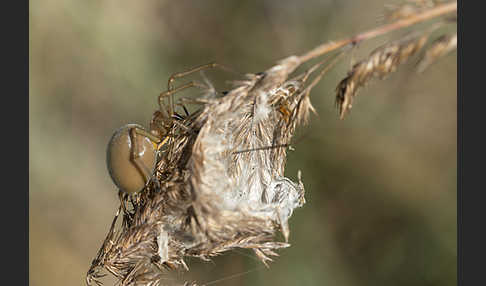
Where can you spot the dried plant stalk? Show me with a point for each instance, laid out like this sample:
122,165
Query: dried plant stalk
219,183
437,11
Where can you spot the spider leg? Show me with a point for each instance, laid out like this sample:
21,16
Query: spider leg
177,116
191,71
135,151
181,125
152,137
169,93
175,76
185,110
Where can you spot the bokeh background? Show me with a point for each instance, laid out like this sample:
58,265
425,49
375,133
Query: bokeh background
380,185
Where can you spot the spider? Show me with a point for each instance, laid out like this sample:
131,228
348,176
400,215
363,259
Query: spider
131,154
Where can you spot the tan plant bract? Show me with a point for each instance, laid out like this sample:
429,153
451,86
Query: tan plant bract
439,48
407,9
379,64
219,182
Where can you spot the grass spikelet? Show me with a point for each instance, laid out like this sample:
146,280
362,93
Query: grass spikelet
409,8
439,48
379,64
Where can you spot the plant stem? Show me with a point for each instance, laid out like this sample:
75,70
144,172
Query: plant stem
402,23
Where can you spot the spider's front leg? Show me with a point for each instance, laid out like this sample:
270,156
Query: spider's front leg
171,90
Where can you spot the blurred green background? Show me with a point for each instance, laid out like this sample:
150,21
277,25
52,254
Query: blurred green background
380,185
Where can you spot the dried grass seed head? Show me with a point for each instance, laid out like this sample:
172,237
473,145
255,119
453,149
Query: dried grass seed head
379,64
439,48
408,8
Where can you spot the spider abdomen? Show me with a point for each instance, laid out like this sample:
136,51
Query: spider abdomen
130,173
